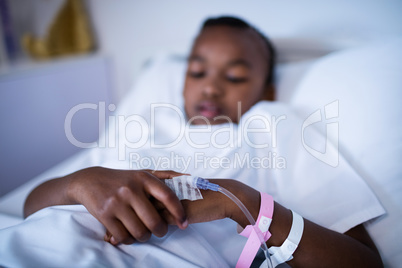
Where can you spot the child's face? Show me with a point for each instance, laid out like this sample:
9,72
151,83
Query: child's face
226,66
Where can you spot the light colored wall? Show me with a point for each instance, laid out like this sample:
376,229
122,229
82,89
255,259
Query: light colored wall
34,104
132,31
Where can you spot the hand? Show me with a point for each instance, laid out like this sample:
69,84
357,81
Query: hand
121,201
215,205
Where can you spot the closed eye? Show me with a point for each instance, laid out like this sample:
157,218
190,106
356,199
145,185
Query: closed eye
196,74
237,80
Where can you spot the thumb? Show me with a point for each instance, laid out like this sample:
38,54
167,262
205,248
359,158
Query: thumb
171,220
107,236
167,174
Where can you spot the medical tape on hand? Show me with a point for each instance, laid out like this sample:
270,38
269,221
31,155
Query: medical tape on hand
257,232
183,187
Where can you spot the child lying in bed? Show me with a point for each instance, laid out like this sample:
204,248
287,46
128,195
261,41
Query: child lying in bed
230,63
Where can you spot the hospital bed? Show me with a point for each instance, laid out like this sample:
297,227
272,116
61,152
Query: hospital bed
366,81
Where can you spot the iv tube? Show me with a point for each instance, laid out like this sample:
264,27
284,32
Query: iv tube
204,184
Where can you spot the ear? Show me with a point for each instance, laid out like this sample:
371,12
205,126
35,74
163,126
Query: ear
269,92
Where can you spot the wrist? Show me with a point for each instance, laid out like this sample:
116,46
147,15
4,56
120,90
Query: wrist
247,195
251,202
280,226
72,188
257,233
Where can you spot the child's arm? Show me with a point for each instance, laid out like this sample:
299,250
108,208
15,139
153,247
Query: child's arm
319,247
119,199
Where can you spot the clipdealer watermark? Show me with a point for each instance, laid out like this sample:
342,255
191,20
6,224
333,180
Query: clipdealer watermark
117,135
200,160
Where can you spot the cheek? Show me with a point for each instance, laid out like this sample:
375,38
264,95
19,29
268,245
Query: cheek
192,88
256,91
248,96
189,95
186,89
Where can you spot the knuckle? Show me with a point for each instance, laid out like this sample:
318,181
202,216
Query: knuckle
168,196
128,240
111,202
108,206
154,226
119,236
142,235
143,173
159,229
124,191
103,213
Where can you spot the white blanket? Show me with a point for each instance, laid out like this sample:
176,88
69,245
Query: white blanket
68,236
334,197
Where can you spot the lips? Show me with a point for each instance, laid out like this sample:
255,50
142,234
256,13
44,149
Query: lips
209,109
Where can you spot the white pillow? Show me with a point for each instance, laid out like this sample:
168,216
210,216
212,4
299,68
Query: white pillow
164,75
367,82
288,76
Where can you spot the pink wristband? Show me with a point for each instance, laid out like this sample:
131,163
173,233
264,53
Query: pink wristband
258,232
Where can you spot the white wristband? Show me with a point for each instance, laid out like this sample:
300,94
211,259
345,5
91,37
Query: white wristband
285,251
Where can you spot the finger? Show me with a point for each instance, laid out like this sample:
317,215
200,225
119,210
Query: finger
149,216
133,224
118,233
168,198
168,217
140,208
107,236
166,174
110,239
157,204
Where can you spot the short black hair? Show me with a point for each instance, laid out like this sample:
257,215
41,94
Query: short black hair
239,23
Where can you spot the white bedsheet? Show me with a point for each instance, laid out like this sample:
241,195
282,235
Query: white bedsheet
65,236
68,236
8,220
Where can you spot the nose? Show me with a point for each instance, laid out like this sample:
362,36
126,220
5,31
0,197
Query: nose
212,89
